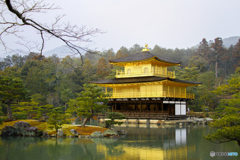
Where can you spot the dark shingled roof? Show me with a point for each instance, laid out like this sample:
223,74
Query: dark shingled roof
139,80
142,56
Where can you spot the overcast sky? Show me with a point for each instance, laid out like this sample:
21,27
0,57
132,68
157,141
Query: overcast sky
168,23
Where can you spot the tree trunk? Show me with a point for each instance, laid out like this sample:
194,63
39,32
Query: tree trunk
84,122
65,107
9,112
216,69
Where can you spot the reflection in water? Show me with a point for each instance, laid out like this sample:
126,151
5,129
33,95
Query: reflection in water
142,142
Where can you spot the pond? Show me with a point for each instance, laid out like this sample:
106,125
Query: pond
141,143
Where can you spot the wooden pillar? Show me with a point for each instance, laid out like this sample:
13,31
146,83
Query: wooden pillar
140,106
106,89
112,108
162,106
115,106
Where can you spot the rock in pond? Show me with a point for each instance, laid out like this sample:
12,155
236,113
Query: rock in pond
45,134
97,134
74,132
114,136
21,128
84,136
109,133
21,124
121,132
33,132
8,131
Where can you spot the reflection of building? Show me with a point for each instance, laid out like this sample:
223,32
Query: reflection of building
146,89
157,143
180,139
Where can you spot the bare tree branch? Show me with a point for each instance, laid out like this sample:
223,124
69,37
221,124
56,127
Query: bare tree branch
21,11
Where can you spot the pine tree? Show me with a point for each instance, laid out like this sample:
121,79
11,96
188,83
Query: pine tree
236,54
102,69
12,91
92,100
24,108
216,56
119,54
227,118
56,118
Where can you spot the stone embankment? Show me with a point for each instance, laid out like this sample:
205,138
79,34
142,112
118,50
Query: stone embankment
22,128
165,122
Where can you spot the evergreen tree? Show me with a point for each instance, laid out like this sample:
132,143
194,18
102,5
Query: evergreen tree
24,108
12,91
89,71
92,100
56,119
1,114
66,95
44,110
102,69
236,54
124,51
217,54
229,123
119,54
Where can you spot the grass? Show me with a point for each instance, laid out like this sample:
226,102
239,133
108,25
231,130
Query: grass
87,130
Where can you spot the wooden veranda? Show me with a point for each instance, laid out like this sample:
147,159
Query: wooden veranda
144,109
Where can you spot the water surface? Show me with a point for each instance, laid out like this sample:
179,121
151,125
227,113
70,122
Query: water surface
141,143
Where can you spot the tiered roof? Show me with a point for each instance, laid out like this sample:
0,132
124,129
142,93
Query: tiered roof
144,55
142,80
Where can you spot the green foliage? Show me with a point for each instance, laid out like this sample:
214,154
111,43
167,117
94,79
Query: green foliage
19,115
56,118
12,91
229,123
49,79
228,129
188,74
45,109
199,62
102,68
38,98
72,107
1,114
114,115
230,95
205,96
66,94
24,110
92,100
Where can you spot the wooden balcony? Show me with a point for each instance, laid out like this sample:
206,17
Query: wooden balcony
122,74
152,95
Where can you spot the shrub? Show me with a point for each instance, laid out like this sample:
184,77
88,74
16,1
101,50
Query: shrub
19,115
112,116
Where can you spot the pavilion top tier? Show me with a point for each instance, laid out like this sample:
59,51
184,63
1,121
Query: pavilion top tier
144,64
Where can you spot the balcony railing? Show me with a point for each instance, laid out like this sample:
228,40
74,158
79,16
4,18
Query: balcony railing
152,95
122,74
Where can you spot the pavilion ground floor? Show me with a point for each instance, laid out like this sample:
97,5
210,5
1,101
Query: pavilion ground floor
150,108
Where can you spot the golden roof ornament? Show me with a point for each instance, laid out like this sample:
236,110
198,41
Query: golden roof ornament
146,48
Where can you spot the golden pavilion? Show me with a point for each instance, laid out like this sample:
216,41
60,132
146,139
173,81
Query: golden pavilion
145,89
